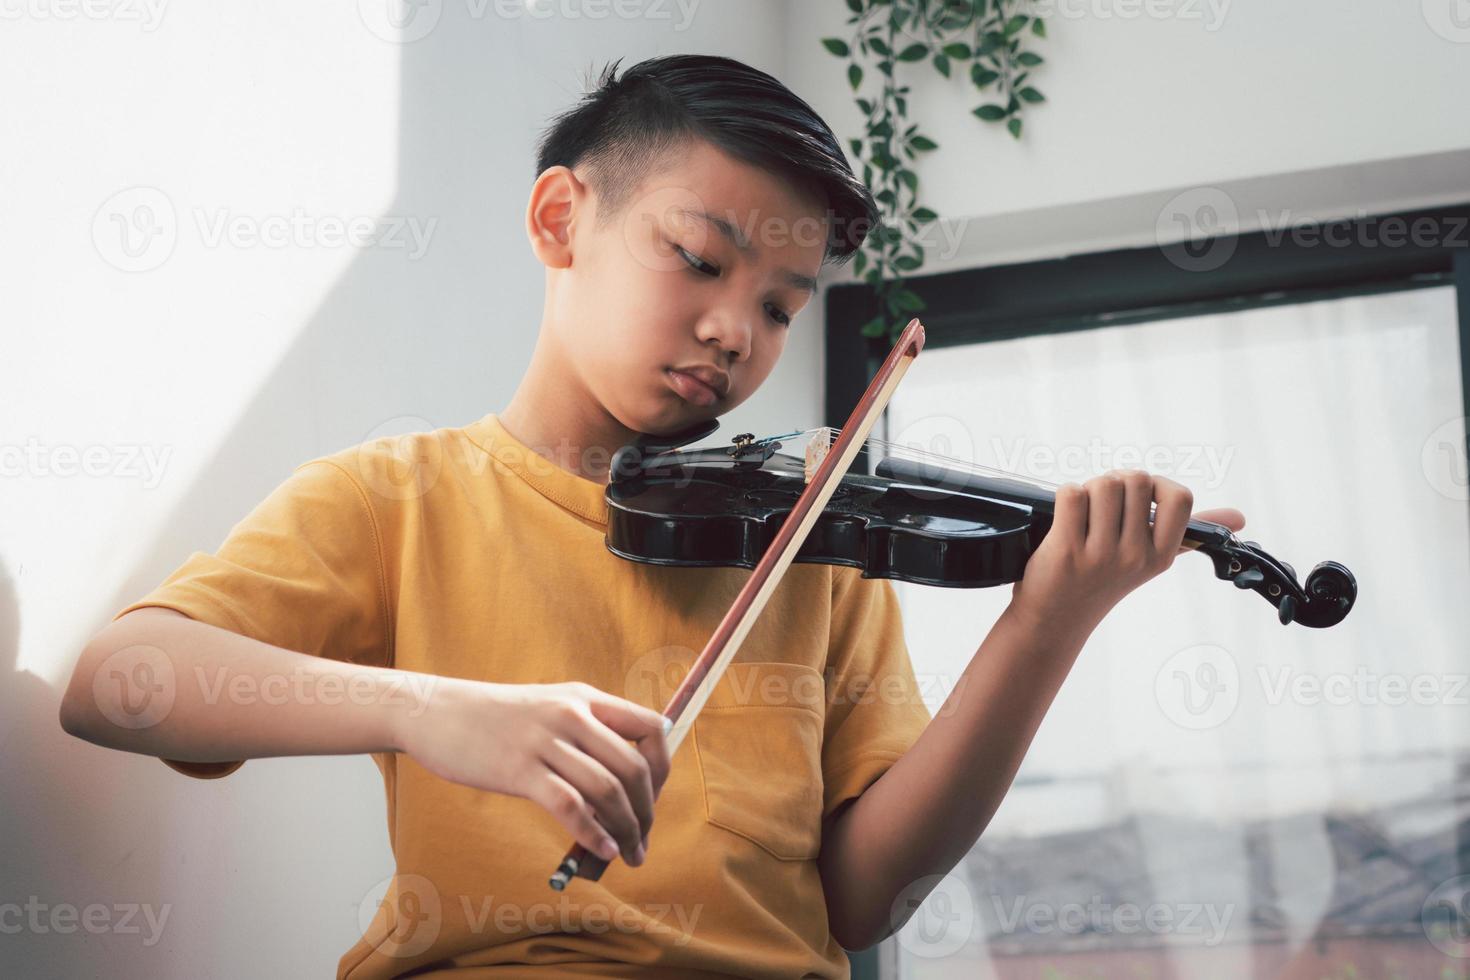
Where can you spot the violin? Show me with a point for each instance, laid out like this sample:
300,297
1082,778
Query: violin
919,518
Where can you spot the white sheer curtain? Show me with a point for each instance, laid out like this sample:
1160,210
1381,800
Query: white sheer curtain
1214,794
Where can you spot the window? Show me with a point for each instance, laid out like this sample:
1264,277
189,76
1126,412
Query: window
1214,794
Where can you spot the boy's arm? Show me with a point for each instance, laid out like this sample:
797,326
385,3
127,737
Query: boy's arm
928,809
908,825
193,692
181,689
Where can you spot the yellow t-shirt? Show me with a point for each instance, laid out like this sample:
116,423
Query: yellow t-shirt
461,553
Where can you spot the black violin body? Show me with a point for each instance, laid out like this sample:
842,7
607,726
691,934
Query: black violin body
914,522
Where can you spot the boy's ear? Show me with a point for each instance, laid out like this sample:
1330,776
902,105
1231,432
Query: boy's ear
555,200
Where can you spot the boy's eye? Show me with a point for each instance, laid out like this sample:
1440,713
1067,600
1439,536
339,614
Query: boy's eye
704,268
697,264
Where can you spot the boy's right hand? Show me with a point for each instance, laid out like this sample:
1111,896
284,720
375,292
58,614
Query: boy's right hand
562,746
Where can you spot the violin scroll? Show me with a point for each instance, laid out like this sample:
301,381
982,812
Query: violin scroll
1324,600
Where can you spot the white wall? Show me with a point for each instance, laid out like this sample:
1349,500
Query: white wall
230,364
225,364
1320,107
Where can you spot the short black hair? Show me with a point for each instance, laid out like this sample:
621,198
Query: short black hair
627,128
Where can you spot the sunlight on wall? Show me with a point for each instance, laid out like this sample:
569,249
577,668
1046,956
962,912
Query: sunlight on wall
166,281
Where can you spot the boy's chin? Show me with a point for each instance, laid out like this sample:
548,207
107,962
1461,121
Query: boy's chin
669,419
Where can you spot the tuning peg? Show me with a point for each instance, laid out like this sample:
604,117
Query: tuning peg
1249,578
1286,611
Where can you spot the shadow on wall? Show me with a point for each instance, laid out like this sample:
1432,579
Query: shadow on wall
67,852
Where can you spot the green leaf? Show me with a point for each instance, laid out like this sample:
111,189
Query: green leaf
1014,125
854,75
1038,28
914,52
910,179
957,50
903,105
836,45
857,147
866,106
885,196
877,44
907,263
1014,25
942,64
881,130
874,327
908,300
923,143
924,215
990,112
1029,58
982,76
859,263
1031,95
856,6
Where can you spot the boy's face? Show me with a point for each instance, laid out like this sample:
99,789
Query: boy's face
660,290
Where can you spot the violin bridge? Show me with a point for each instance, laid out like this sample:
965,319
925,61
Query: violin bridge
816,451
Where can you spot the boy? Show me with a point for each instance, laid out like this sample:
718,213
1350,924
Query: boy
682,213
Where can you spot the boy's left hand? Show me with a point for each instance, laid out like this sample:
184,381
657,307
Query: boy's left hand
1101,545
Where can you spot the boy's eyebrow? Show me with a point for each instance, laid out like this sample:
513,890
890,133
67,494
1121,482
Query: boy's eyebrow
734,236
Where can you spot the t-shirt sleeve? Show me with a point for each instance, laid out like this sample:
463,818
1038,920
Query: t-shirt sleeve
303,570
874,708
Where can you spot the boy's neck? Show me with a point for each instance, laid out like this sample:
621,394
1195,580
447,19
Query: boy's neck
578,439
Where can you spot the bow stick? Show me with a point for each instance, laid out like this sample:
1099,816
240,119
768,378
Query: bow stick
722,647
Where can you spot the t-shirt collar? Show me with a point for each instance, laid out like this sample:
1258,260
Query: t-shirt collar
562,487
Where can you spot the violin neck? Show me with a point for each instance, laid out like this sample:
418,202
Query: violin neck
1039,497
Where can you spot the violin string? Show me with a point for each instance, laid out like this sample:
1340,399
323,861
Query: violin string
902,451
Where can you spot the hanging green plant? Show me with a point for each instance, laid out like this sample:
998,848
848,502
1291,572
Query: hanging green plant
988,34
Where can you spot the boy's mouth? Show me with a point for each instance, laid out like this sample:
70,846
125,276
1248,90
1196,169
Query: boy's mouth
693,389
